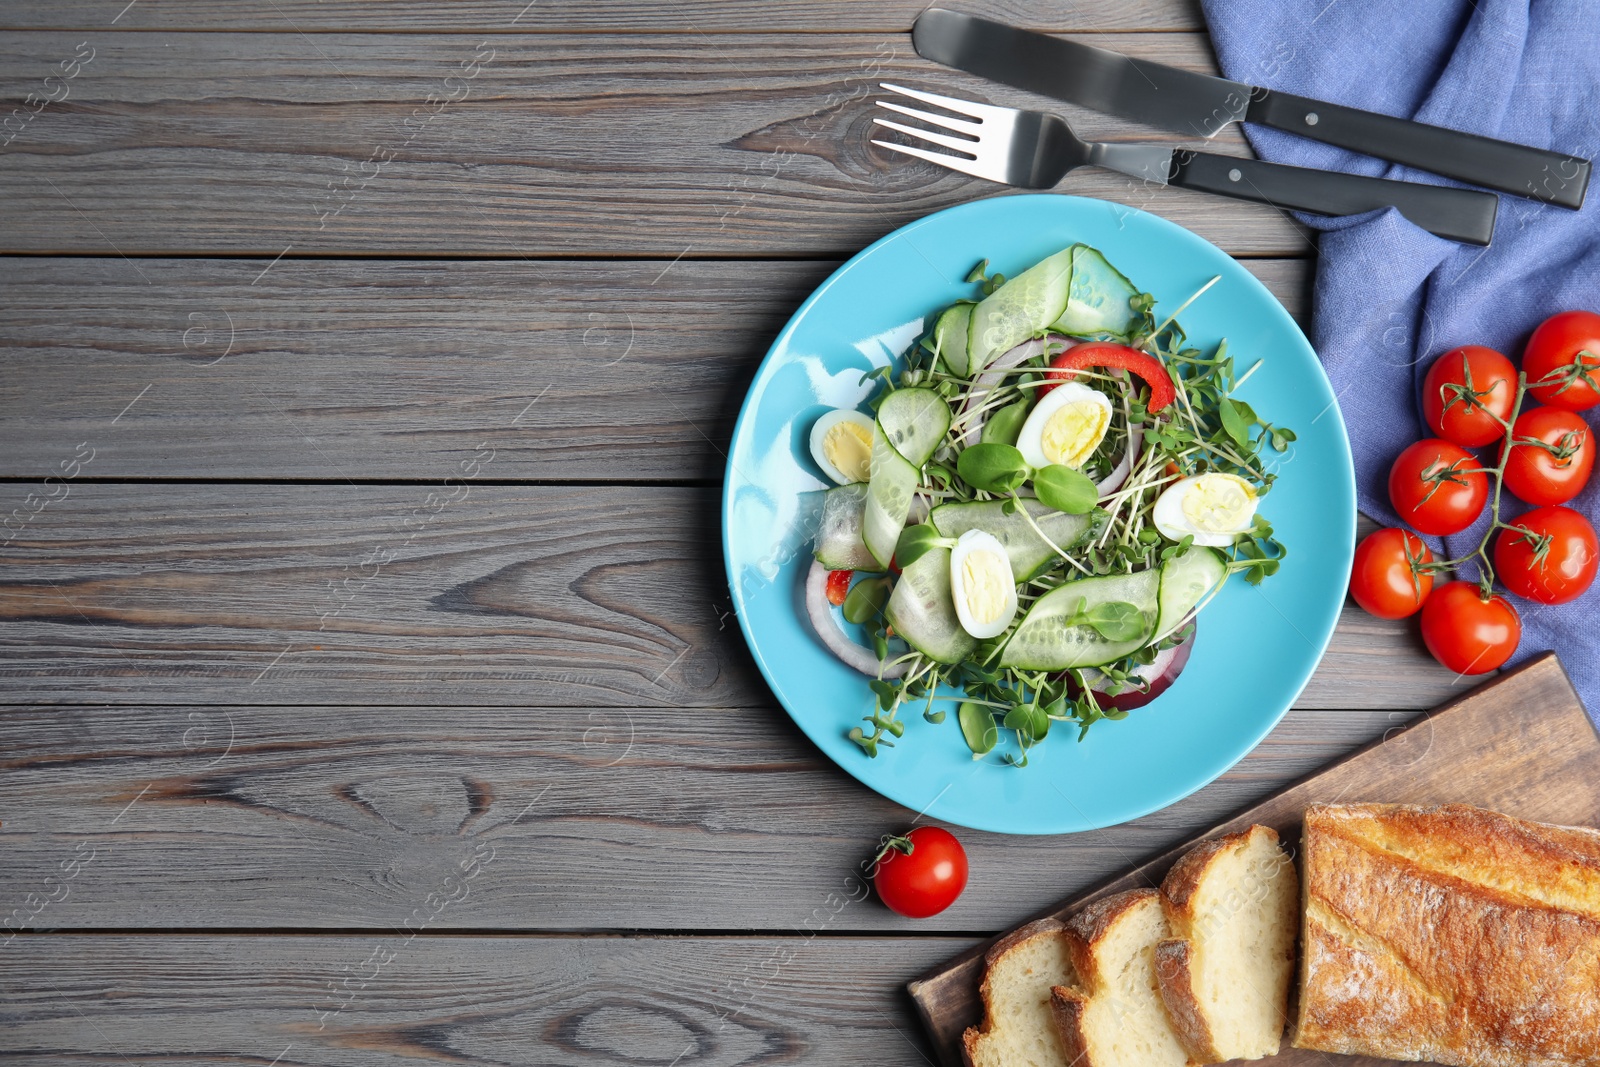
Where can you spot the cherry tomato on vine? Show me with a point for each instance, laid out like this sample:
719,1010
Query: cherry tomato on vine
922,873
1384,580
1465,632
1467,395
1437,487
1539,475
1550,555
1562,361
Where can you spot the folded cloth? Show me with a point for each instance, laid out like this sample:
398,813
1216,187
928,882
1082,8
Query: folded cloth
1389,298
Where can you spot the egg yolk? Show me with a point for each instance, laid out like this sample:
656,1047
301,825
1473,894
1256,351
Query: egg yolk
987,580
1071,435
848,447
1219,503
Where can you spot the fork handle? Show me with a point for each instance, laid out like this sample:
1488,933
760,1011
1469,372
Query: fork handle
1457,214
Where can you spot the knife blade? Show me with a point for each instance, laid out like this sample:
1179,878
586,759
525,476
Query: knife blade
1202,105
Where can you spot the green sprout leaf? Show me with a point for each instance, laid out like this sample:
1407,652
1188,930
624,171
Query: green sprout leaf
1065,489
1004,425
1115,621
865,600
978,728
1030,722
915,542
1234,421
993,467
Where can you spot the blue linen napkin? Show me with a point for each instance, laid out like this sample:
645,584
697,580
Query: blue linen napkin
1390,297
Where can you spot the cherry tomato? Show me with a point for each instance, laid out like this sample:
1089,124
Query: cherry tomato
1468,394
838,586
922,873
1562,361
1536,474
1550,556
1437,487
1466,633
1117,357
1383,581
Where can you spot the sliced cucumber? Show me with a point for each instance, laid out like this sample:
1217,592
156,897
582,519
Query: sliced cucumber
889,493
1028,554
839,540
1023,307
1185,580
1044,641
950,337
922,613
1101,302
915,421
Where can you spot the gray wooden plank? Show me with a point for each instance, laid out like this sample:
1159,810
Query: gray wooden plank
590,819
464,594
395,369
390,999
519,145
706,16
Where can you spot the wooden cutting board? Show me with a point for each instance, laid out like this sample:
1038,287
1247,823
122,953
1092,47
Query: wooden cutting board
1520,744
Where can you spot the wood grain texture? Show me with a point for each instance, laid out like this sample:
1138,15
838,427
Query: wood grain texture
611,16
386,1001
456,595
590,818
649,144
1521,744
396,370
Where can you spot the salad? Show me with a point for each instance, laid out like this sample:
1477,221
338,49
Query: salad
1049,487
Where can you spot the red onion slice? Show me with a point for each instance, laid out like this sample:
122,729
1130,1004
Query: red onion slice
1157,676
1119,474
984,383
827,627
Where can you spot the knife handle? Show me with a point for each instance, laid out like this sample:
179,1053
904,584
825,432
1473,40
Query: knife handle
1458,214
1553,177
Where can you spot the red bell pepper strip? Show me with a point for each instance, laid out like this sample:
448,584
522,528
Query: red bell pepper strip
1117,357
838,586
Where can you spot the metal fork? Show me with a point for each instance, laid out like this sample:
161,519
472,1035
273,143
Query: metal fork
1035,150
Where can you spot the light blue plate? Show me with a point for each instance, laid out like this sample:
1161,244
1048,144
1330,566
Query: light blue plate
1256,646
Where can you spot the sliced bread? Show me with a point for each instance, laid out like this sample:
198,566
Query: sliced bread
1233,904
1113,1015
1019,971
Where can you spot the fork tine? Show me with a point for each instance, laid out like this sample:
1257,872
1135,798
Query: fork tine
958,125
961,107
965,166
956,143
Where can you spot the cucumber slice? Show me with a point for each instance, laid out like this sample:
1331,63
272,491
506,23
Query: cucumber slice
950,337
1023,307
922,613
839,540
915,421
1101,301
1044,642
889,492
1185,580
1029,556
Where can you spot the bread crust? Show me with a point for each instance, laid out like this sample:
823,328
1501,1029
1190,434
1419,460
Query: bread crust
973,1034
1175,978
1450,934
1066,1008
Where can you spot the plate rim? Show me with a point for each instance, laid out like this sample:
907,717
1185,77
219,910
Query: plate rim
1249,741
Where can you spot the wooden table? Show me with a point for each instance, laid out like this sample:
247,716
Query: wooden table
372,690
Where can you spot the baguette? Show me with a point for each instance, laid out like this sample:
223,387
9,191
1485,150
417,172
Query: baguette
1019,971
1450,934
1113,1015
1233,904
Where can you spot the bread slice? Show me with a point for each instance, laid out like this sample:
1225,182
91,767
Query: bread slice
1019,971
1113,1015
1234,907
1449,934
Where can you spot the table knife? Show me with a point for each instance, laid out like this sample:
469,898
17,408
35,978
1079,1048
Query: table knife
1202,105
